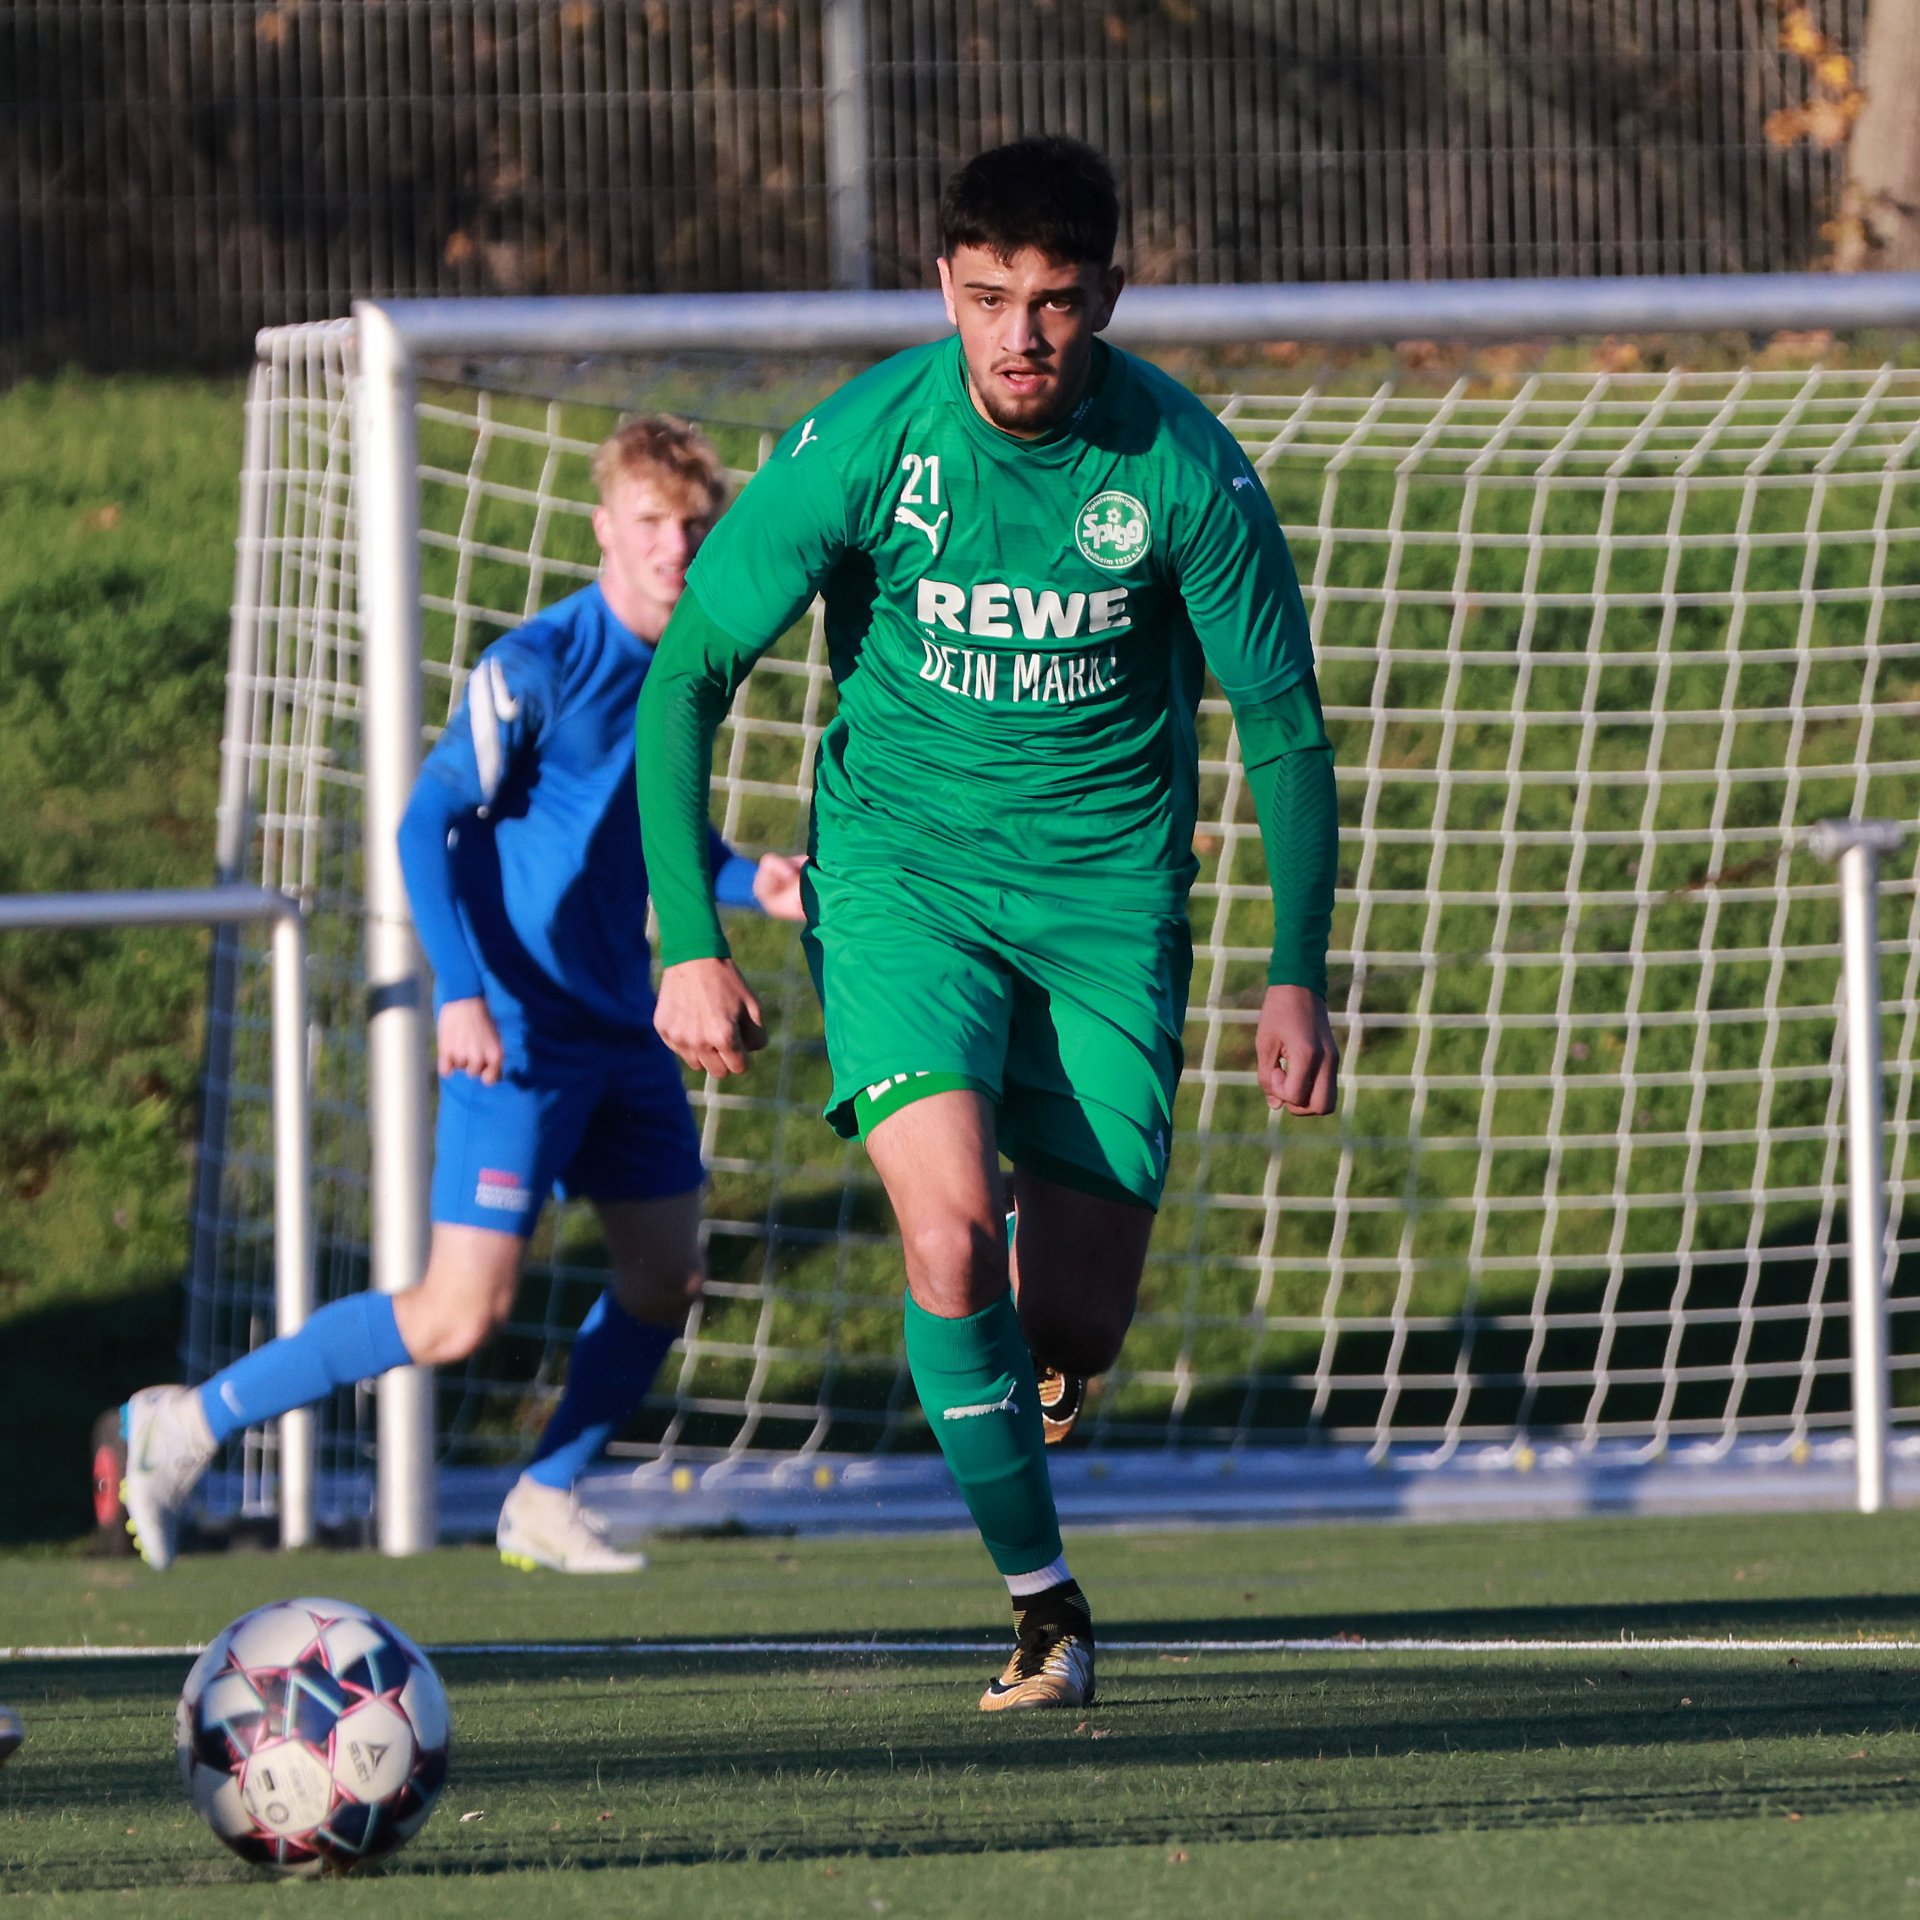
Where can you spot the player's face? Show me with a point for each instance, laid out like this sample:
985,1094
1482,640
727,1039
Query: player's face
648,538
1026,328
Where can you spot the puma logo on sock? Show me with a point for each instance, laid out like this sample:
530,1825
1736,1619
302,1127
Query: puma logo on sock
986,1406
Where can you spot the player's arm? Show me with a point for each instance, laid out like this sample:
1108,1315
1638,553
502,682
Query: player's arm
494,726
755,574
704,1010
1243,598
1289,767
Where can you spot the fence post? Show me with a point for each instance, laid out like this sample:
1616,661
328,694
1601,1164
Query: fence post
849,144
1857,845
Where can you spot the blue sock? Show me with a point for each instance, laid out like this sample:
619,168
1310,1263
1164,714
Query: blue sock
351,1340
614,1361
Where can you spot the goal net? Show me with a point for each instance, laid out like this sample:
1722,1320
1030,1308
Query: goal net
1601,631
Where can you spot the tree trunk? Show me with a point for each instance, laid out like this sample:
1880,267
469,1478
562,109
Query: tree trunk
1880,210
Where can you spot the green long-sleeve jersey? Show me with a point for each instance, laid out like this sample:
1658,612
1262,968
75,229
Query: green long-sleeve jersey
1017,630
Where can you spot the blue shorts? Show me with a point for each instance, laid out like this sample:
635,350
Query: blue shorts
612,1125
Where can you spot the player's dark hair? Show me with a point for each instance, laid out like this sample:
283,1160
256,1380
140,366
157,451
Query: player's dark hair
1049,193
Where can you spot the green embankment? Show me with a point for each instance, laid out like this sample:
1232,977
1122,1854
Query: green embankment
118,501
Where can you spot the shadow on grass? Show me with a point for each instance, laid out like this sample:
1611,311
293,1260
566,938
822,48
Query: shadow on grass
1222,1753
64,1365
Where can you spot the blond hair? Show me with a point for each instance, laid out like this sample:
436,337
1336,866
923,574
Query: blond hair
673,455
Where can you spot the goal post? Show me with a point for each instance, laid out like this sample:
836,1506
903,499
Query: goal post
1603,630
399,1004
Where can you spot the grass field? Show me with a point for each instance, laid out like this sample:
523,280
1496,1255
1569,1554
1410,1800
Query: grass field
1464,1777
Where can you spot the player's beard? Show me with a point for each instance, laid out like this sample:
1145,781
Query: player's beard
1033,413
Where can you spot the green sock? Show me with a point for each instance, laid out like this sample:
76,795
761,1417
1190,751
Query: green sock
975,1380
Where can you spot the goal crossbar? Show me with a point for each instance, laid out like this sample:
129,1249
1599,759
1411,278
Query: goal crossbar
1358,312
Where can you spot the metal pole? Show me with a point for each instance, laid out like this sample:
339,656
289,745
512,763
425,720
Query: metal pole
387,514
849,145
1857,845
1364,311
225,908
144,907
292,1210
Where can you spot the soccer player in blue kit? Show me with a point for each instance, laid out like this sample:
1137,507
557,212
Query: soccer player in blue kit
521,848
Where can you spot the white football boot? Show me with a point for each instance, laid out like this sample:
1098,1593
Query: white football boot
169,1446
543,1526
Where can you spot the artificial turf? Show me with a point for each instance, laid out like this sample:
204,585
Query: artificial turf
848,1778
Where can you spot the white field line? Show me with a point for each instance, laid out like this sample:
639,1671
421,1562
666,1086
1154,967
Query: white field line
747,1647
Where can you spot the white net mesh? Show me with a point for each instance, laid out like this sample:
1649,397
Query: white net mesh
1595,648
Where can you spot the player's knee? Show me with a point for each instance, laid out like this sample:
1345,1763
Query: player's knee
1087,1341
468,1332
660,1296
444,1331
956,1260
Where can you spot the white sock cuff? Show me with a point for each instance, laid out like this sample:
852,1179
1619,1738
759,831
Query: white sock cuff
1053,1574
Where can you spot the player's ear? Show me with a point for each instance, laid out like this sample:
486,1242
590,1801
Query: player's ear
946,288
602,525
1112,279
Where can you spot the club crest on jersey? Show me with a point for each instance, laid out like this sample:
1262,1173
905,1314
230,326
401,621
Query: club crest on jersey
1112,530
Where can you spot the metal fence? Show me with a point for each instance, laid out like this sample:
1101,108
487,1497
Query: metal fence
176,173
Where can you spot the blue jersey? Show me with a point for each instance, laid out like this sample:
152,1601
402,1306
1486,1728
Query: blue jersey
521,842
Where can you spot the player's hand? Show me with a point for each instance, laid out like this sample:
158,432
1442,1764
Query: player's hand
776,886
1294,1049
469,1041
708,1016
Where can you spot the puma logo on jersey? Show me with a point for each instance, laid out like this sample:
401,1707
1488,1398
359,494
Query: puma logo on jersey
807,436
906,517
1242,480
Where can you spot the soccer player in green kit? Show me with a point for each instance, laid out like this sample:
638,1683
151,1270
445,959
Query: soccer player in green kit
1030,545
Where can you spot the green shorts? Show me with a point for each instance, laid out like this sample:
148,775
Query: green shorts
1067,1017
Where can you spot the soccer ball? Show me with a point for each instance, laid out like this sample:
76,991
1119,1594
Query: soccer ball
312,1736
